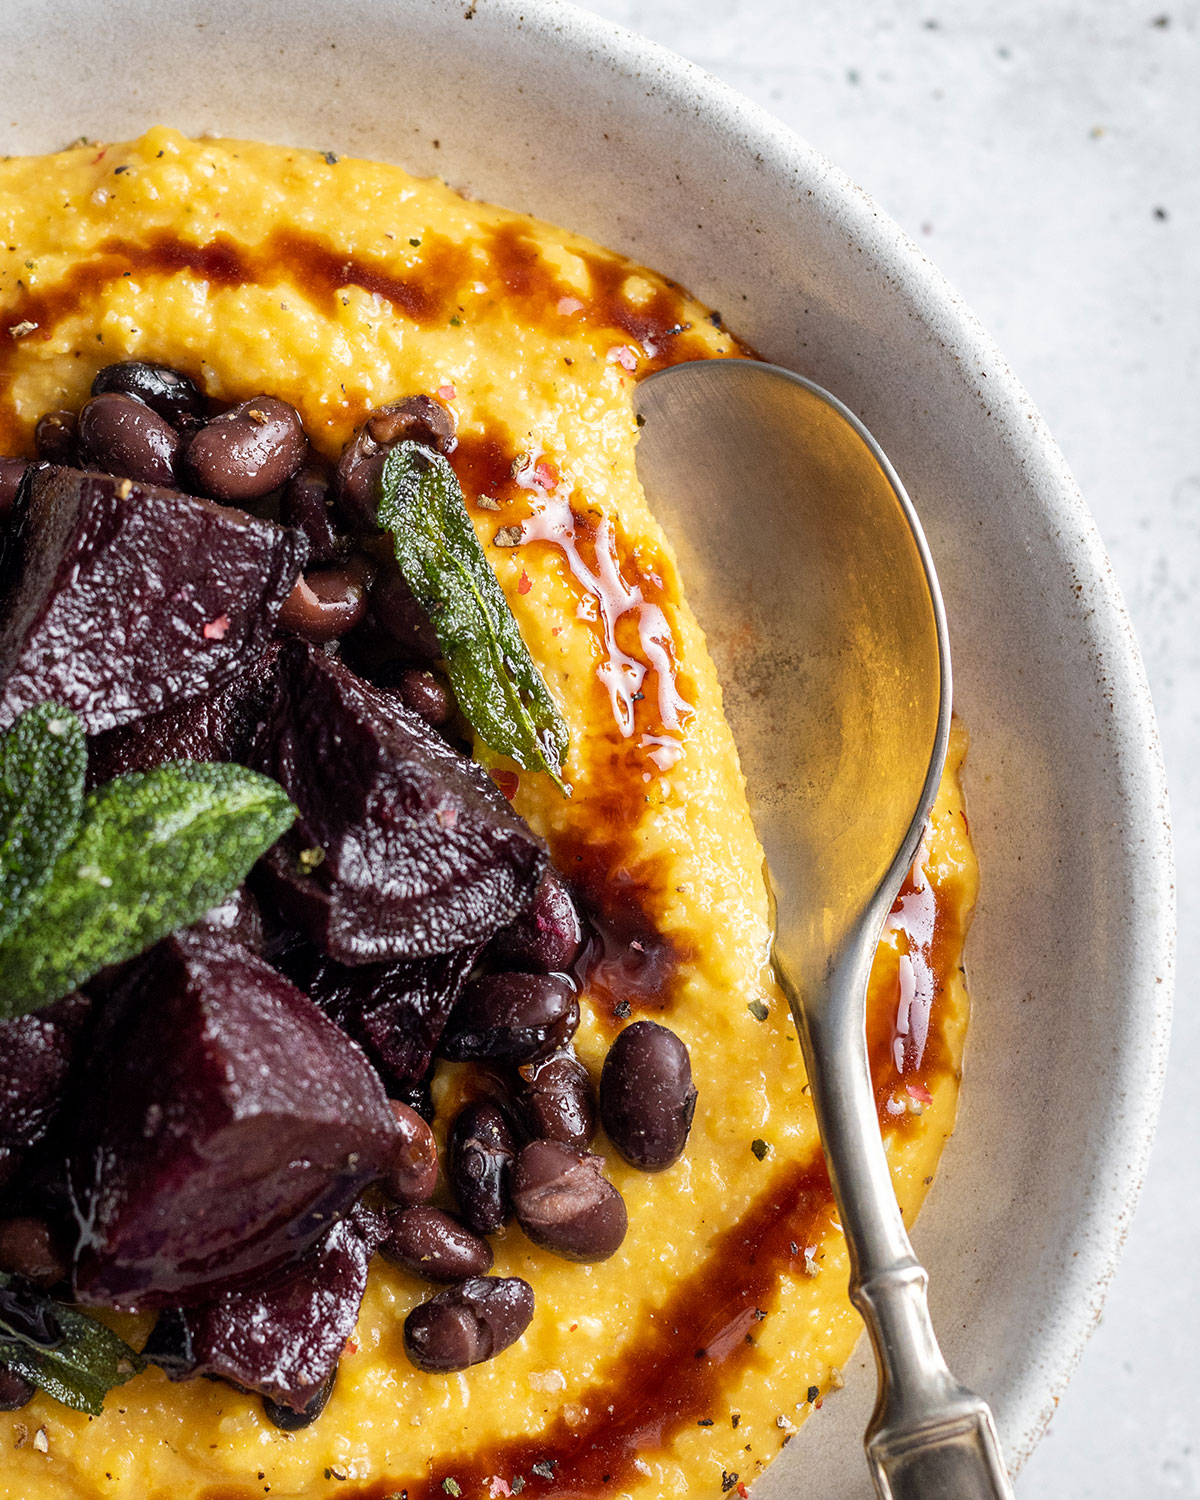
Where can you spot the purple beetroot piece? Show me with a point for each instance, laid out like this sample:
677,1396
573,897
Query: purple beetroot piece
37,1053
404,848
228,1122
217,726
125,599
395,1012
281,1335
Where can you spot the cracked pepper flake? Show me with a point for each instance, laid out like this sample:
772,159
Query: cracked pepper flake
544,1468
727,1481
508,536
451,1486
760,1148
814,1392
758,1010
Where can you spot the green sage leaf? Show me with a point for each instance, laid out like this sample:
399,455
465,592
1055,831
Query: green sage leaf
153,852
43,758
497,685
84,1366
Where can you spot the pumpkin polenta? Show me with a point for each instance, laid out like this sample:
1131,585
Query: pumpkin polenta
684,1362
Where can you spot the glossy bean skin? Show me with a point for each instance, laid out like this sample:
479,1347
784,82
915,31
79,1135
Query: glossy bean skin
565,1204
28,1313
238,918
647,1098
555,1101
305,505
288,1420
249,451
419,419
29,1248
435,1245
12,471
15,1390
120,435
414,1171
481,1149
56,438
426,694
468,1324
171,393
512,1017
324,605
398,614
548,938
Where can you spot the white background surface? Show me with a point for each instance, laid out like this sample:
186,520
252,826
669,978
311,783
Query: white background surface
1047,155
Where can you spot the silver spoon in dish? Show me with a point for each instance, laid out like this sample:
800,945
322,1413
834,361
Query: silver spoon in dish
810,574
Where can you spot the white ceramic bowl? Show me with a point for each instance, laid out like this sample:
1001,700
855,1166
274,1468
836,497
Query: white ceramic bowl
541,107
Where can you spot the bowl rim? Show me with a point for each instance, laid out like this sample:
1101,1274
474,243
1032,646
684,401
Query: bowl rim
782,152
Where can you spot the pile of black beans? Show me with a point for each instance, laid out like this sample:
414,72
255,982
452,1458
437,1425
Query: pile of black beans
521,1149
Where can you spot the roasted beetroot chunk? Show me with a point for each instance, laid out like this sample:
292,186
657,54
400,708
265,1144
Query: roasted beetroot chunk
282,1334
396,1012
125,600
217,726
37,1053
229,1121
404,848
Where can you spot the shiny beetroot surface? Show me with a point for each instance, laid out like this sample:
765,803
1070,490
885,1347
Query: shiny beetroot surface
282,1335
228,1121
216,726
420,853
37,1055
122,600
396,1012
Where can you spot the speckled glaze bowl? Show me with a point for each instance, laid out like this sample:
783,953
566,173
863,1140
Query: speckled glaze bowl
544,108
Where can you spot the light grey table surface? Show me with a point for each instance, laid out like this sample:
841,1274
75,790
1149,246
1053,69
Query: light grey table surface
1048,157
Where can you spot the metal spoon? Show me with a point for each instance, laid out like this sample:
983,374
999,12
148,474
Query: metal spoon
809,572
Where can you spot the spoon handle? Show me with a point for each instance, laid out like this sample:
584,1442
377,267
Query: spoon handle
929,1437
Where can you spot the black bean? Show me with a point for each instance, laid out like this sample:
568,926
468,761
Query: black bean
56,438
564,1203
512,1017
12,471
481,1150
426,694
121,435
548,937
15,1390
30,1248
399,615
419,419
169,392
414,1170
647,1098
467,1324
555,1101
249,451
29,1313
323,605
435,1245
305,505
288,1420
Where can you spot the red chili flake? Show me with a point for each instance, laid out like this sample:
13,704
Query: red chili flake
919,1092
100,157
215,629
623,355
351,1347
545,475
569,305
507,781
573,1327
556,630
447,392
743,1492
523,584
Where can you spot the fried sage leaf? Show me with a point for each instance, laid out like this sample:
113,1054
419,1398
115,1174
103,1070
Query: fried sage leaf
43,758
153,852
61,1350
492,673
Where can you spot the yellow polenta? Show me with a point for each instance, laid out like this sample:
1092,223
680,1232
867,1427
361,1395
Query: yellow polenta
683,1364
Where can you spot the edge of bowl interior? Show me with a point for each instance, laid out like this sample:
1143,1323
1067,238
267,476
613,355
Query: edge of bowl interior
548,109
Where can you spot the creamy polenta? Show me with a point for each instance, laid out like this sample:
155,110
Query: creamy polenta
684,1363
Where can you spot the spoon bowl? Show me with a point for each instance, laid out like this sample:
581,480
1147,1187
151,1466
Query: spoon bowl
810,574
